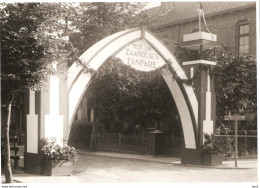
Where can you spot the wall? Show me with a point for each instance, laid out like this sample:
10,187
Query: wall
224,25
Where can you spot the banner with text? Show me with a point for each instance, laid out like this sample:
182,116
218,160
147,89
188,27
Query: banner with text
141,56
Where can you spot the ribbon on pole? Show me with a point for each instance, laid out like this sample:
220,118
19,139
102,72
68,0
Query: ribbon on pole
201,11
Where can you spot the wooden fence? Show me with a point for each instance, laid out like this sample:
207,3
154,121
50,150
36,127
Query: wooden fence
137,143
117,142
172,145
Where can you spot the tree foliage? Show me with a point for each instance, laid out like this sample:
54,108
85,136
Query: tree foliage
31,39
23,63
235,81
100,19
126,96
235,78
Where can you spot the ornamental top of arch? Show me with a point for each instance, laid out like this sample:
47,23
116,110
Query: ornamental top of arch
151,55
140,56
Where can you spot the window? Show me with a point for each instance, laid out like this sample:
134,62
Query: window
243,38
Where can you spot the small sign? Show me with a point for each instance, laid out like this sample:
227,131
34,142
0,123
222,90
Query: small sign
235,118
141,56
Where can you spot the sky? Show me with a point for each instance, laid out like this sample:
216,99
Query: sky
153,4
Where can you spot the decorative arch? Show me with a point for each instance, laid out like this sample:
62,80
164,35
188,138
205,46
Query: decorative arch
94,57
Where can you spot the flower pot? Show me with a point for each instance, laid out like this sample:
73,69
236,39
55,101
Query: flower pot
211,159
57,167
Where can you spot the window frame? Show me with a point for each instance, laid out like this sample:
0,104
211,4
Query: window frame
239,24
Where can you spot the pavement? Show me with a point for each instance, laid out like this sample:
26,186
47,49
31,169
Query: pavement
229,164
21,177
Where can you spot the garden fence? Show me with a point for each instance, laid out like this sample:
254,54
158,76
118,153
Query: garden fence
117,142
247,144
137,143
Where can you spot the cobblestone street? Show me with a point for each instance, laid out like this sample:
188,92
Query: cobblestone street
102,167
98,169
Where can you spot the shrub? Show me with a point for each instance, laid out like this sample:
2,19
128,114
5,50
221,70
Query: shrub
53,151
209,144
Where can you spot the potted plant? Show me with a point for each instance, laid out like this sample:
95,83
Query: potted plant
210,155
57,160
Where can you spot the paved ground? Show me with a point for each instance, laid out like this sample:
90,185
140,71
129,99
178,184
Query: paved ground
117,168
104,169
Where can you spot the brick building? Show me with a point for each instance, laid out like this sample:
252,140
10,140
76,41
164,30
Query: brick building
233,22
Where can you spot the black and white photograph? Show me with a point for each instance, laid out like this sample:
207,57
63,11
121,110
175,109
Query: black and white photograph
105,93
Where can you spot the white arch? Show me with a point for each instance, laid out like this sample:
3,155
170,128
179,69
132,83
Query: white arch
95,56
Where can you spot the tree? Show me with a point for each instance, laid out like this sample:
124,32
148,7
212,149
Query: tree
32,39
96,20
235,78
22,67
131,97
235,81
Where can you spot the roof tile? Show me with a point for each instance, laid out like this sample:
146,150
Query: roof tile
188,10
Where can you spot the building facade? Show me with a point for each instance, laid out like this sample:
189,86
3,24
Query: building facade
234,23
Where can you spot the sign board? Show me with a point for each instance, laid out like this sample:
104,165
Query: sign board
235,118
141,56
